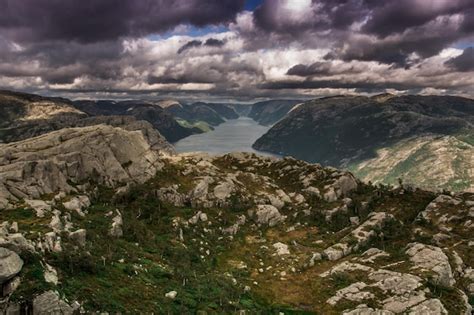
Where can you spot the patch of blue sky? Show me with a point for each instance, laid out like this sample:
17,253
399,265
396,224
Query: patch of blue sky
251,5
464,44
191,31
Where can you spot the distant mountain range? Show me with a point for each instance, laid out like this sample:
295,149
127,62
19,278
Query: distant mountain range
25,115
423,140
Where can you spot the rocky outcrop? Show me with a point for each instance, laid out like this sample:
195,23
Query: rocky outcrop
359,236
51,162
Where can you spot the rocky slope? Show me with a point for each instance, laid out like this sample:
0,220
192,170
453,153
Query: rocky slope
356,131
269,112
104,219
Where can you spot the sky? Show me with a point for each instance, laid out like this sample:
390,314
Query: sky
236,50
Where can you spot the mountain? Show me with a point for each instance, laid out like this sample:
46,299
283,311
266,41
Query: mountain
21,114
200,112
269,112
242,109
226,111
109,219
154,114
383,138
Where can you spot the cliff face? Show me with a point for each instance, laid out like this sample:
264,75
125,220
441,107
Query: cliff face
346,131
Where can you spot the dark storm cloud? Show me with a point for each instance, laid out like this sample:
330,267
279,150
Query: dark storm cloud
309,70
213,42
393,29
181,79
189,45
210,42
326,14
390,17
98,20
463,62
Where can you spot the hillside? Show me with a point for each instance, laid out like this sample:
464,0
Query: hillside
163,121
353,132
108,219
269,112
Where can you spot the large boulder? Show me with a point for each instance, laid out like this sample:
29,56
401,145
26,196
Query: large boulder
10,264
432,258
268,215
50,303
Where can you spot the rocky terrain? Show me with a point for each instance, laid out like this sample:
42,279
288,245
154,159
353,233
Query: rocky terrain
108,219
383,138
269,112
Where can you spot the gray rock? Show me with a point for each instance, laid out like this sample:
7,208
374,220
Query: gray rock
431,258
353,292
10,264
429,307
77,204
79,237
117,222
268,214
50,303
39,206
223,190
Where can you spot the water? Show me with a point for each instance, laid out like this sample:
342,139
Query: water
236,135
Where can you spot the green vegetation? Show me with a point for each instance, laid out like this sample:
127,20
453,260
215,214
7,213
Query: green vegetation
201,125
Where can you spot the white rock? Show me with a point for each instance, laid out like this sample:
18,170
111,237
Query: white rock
281,249
171,295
